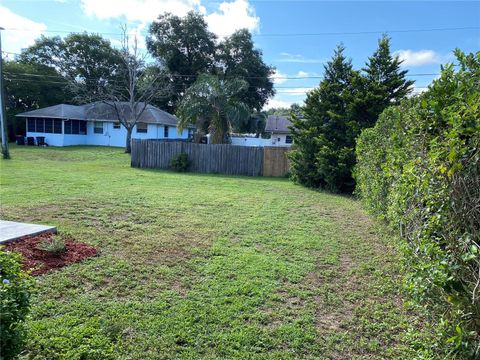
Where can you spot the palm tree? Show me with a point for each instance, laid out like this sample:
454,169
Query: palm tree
213,101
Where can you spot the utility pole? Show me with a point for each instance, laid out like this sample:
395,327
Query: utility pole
3,118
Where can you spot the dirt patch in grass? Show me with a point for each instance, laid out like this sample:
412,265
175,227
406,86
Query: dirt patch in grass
40,261
333,314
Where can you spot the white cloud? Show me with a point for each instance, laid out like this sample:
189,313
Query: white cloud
285,97
294,90
297,58
138,10
307,74
419,58
25,33
229,16
274,103
232,16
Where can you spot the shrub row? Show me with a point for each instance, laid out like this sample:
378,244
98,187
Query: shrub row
419,170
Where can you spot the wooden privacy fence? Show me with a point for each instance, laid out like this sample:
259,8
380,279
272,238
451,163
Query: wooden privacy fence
275,161
221,159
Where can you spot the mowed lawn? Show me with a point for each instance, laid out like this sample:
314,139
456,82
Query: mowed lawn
202,266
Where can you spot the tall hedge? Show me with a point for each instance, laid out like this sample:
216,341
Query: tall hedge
419,170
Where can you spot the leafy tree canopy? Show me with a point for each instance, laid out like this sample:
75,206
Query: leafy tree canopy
29,86
187,49
88,61
184,46
294,109
238,58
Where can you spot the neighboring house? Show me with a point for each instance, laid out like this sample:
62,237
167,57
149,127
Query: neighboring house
97,124
279,128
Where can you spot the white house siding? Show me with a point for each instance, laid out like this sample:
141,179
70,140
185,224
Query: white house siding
249,141
279,140
110,136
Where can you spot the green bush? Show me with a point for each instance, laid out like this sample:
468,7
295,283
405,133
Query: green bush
180,162
14,297
55,245
419,169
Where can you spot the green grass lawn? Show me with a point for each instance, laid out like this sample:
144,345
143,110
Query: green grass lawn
202,266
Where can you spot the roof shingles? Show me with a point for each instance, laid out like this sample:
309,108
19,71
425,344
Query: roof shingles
278,124
102,111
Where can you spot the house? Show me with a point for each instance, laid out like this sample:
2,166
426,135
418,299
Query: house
279,128
97,124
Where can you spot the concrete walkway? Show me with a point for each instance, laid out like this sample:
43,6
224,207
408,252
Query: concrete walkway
11,230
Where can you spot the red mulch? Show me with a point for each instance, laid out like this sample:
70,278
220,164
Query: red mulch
40,261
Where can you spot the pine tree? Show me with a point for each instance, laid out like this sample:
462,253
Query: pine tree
335,113
323,155
385,84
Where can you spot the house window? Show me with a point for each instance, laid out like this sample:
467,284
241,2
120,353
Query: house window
68,127
57,126
75,127
48,126
289,139
30,125
165,131
98,127
116,125
190,133
142,128
39,125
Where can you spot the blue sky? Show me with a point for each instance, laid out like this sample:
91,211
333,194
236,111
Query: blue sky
296,36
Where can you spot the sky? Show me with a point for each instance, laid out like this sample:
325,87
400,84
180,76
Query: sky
297,37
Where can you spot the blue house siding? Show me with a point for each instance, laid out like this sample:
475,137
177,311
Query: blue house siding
97,124
110,136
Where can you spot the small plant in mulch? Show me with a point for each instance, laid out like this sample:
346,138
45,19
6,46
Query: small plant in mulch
44,252
55,245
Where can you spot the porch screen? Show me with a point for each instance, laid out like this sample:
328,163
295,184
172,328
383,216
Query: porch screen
48,126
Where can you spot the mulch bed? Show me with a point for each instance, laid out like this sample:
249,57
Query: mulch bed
39,261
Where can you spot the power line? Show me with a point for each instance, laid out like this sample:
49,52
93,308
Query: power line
368,32
342,33
244,77
301,90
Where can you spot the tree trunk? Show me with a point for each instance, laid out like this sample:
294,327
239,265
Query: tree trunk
128,145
